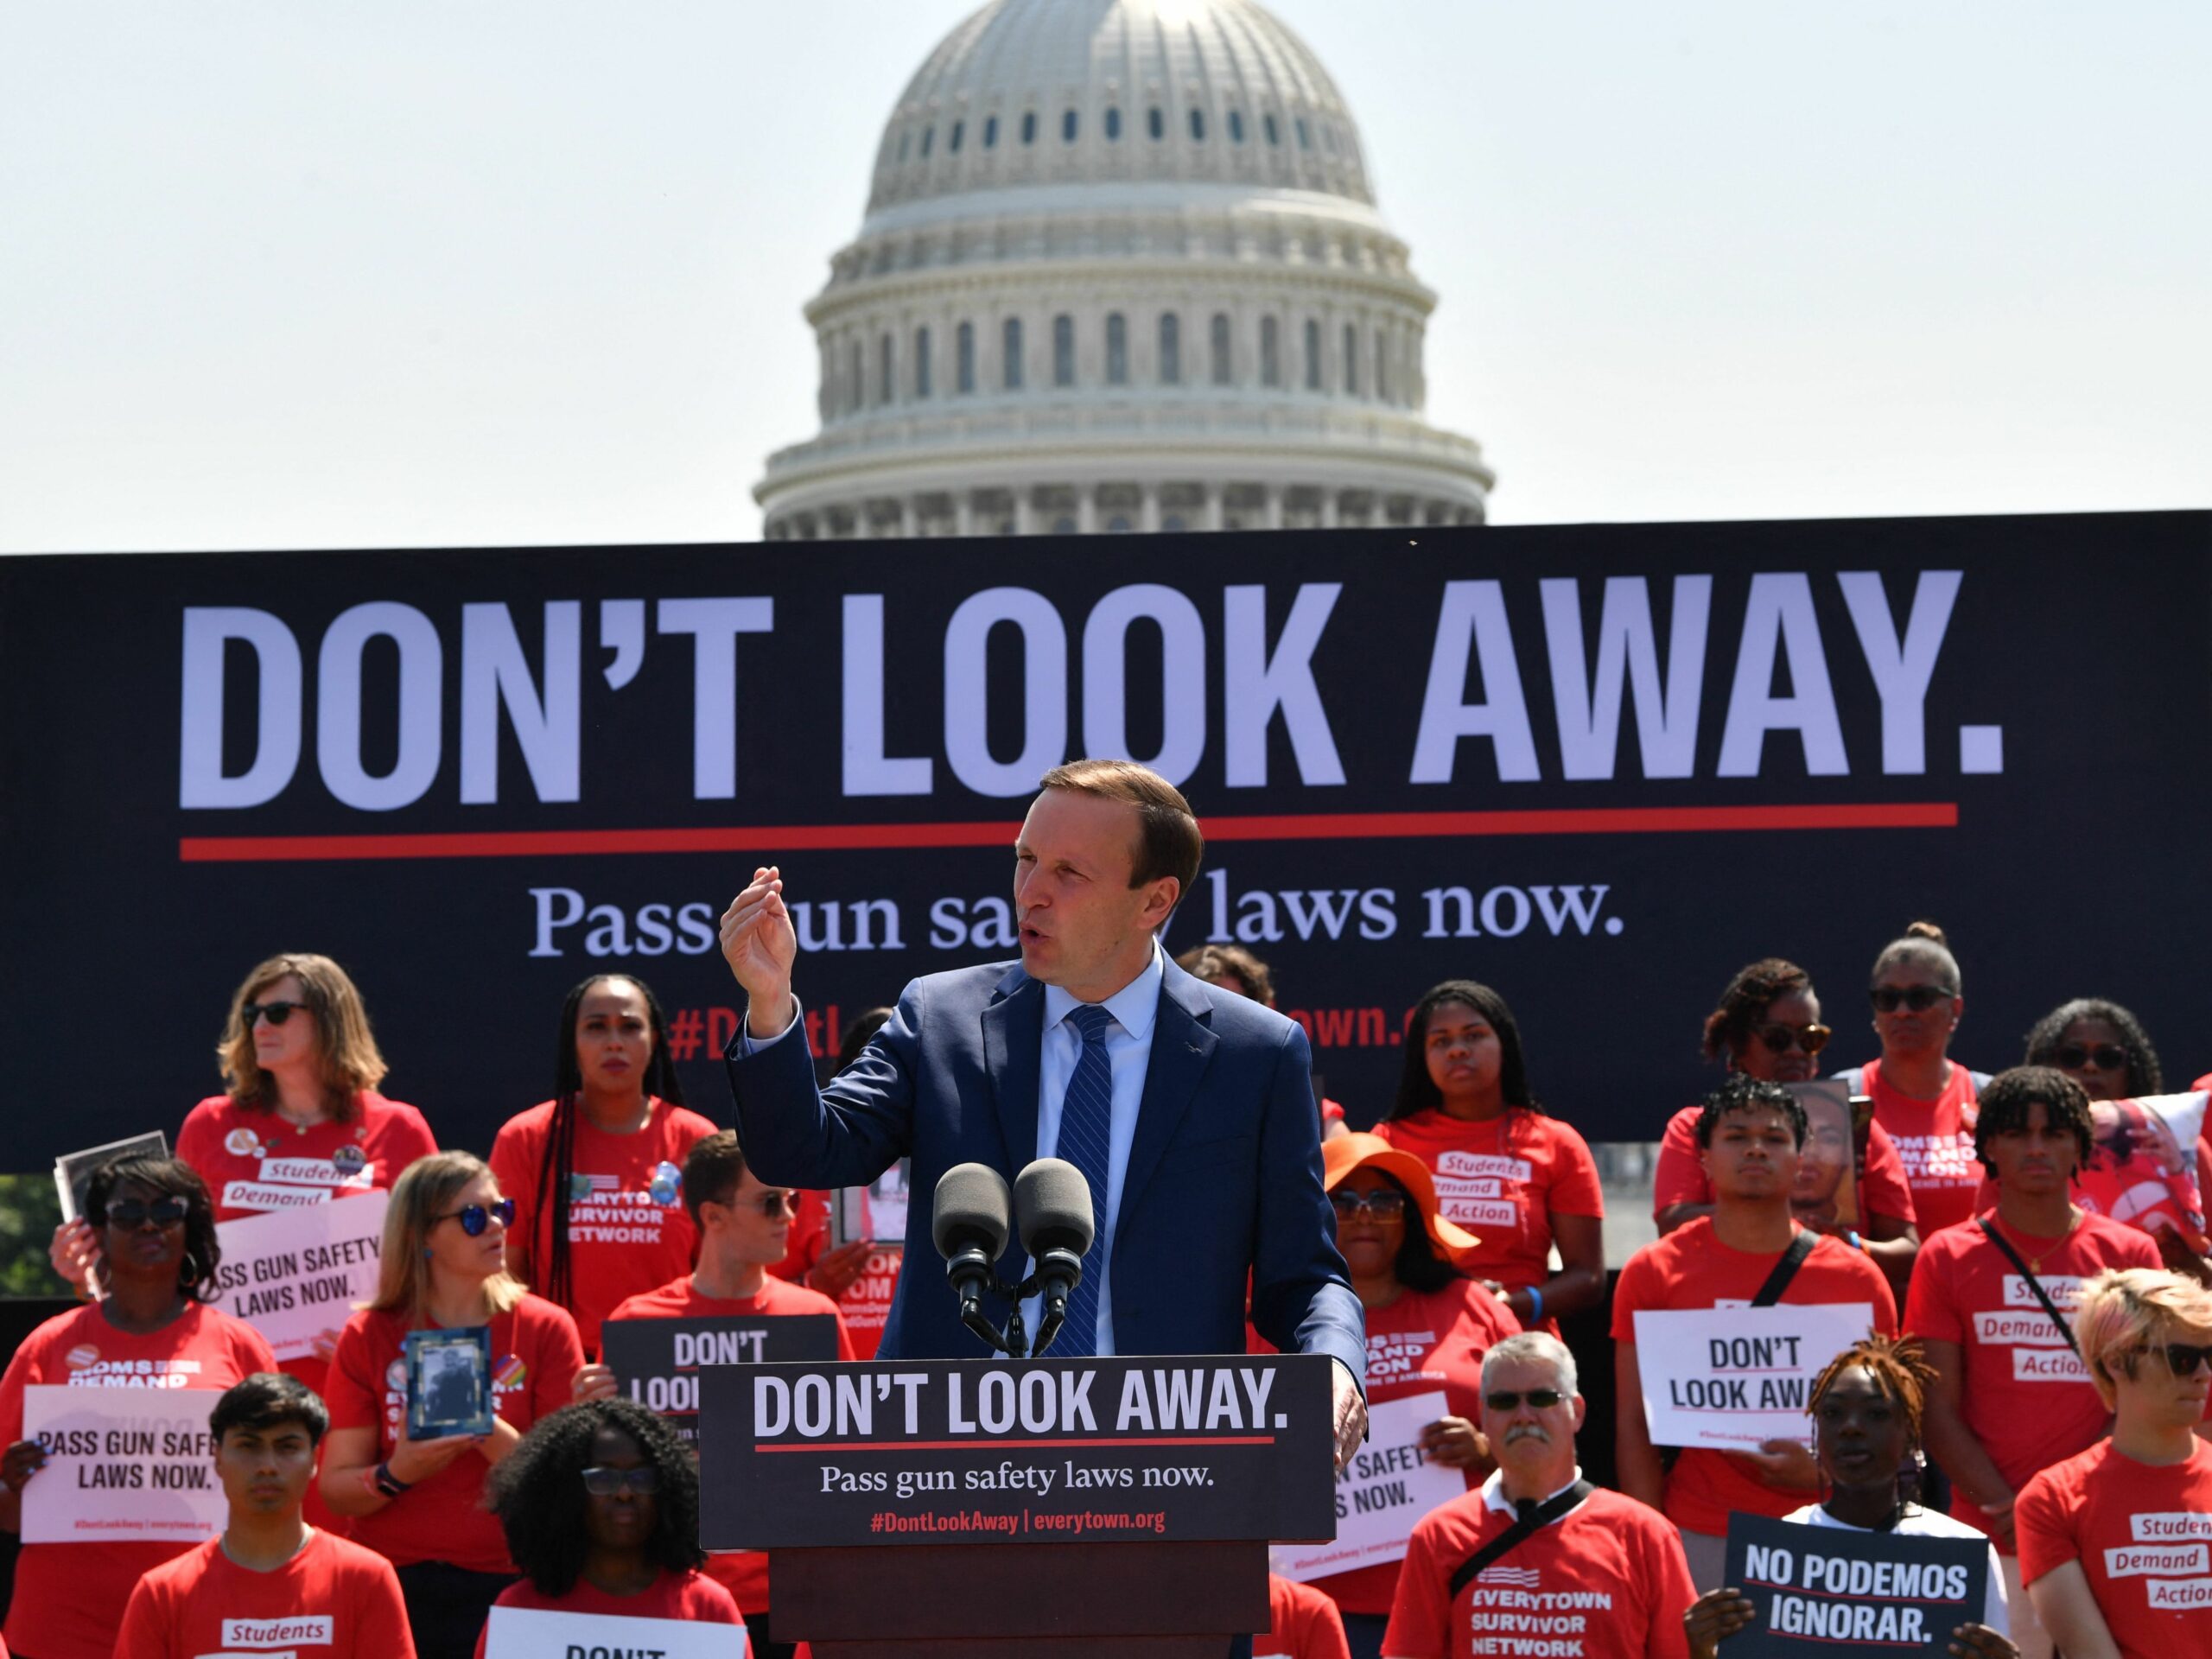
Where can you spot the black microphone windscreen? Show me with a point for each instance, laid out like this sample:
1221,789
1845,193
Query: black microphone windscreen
971,1203
1051,1203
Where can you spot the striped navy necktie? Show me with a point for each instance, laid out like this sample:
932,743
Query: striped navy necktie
1086,1119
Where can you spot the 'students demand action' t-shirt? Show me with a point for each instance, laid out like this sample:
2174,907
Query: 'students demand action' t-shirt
1503,1181
2141,1532
332,1600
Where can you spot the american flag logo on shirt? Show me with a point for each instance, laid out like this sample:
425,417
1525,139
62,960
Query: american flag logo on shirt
1521,1578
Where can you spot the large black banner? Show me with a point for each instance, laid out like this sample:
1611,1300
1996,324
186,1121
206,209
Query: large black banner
1599,767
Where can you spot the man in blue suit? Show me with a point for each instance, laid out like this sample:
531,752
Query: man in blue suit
1189,1111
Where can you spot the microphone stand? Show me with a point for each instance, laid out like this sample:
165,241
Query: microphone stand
1013,1341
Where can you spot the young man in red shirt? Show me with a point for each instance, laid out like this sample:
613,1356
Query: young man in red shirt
1751,1132
271,1580
1599,1576
2010,1396
2113,1542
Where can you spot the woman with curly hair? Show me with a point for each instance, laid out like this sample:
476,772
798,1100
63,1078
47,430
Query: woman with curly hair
601,1505
1520,1181
153,1228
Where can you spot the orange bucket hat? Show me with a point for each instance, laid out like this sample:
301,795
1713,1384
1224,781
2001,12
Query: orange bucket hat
1347,1152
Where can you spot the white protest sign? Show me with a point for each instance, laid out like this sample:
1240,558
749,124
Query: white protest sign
529,1633
1733,1378
122,1464
1387,1488
294,1274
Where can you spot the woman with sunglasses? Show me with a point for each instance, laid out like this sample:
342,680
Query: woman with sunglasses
597,1171
1923,1099
1866,1408
1520,1180
153,1229
419,1503
600,1507
300,1113
1428,1326
1768,1026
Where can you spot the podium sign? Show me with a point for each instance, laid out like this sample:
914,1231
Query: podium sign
1212,1447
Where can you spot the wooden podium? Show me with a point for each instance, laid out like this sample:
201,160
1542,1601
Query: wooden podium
1031,1509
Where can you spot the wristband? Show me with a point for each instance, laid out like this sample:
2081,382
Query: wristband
1857,1242
1536,1306
385,1481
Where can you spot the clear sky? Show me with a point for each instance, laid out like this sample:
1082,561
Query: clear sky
427,273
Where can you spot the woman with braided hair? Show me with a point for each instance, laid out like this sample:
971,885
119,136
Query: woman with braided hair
1866,1408
597,1171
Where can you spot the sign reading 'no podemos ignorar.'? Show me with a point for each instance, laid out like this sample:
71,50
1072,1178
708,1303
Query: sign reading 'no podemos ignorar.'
1817,1592
937,1452
1736,1378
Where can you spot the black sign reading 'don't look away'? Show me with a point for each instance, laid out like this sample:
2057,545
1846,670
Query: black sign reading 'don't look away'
1819,1591
658,1363
937,1452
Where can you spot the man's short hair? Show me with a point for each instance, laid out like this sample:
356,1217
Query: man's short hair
1211,962
1168,841
2002,1108
713,1171
1539,1346
2125,1310
1742,1093
265,1400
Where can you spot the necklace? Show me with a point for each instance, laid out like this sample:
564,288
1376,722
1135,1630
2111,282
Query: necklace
2035,1263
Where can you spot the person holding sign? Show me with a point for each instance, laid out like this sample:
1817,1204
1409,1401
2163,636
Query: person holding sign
1749,1253
1538,1559
600,1507
596,1172
1991,1302
1523,1181
1189,1111
1768,1026
153,1225
1867,1410
2114,1542
270,1578
418,1503
744,1226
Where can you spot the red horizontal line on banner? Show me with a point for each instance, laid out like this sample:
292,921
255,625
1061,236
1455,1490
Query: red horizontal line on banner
1080,1440
1311,826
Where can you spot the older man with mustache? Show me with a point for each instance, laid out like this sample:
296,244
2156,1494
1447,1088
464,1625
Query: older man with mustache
1536,1552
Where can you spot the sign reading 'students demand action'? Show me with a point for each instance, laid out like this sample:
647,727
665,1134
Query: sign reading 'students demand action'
934,1451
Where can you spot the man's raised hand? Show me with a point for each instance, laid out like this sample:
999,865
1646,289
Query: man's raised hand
760,946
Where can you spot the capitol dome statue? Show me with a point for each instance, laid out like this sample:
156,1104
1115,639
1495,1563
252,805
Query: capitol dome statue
1120,269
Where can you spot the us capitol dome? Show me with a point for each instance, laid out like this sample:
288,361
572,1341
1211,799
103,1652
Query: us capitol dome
1120,269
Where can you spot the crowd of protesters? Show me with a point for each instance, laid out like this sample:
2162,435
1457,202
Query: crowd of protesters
2036,1375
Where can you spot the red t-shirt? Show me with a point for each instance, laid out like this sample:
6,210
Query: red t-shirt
2141,1532
69,1598
1606,1581
1423,1344
866,1304
333,1599
691,1596
254,1162
1691,1269
2024,1395
1503,1181
1302,1623
535,1359
1681,1178
628,1229
1934,1138
743,1572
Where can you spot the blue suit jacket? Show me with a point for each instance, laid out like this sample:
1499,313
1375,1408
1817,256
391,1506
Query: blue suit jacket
1224,1178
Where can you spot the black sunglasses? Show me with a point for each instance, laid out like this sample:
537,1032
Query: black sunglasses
1507,1400
276,1013
136,1212
2106,1056
475,1218
1780,1039
2183,1357
643,1481
1887,998
1382,1203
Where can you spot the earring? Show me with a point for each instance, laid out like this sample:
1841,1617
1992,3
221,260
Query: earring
427,1253
188,1274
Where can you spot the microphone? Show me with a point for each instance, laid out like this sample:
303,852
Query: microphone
1051,1203
968,1223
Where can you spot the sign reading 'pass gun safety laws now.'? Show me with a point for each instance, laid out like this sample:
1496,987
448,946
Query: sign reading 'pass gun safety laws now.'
123,1464
293,1275
1735,1377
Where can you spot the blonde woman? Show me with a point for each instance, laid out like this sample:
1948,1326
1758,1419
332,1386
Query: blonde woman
420,1503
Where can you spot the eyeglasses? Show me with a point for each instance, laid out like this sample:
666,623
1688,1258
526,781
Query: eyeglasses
136,1212
1506,1399
2183,1357
1781,1039
1382,1204
641,1482
1887,998
475,1218
276,1013
2106,1056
